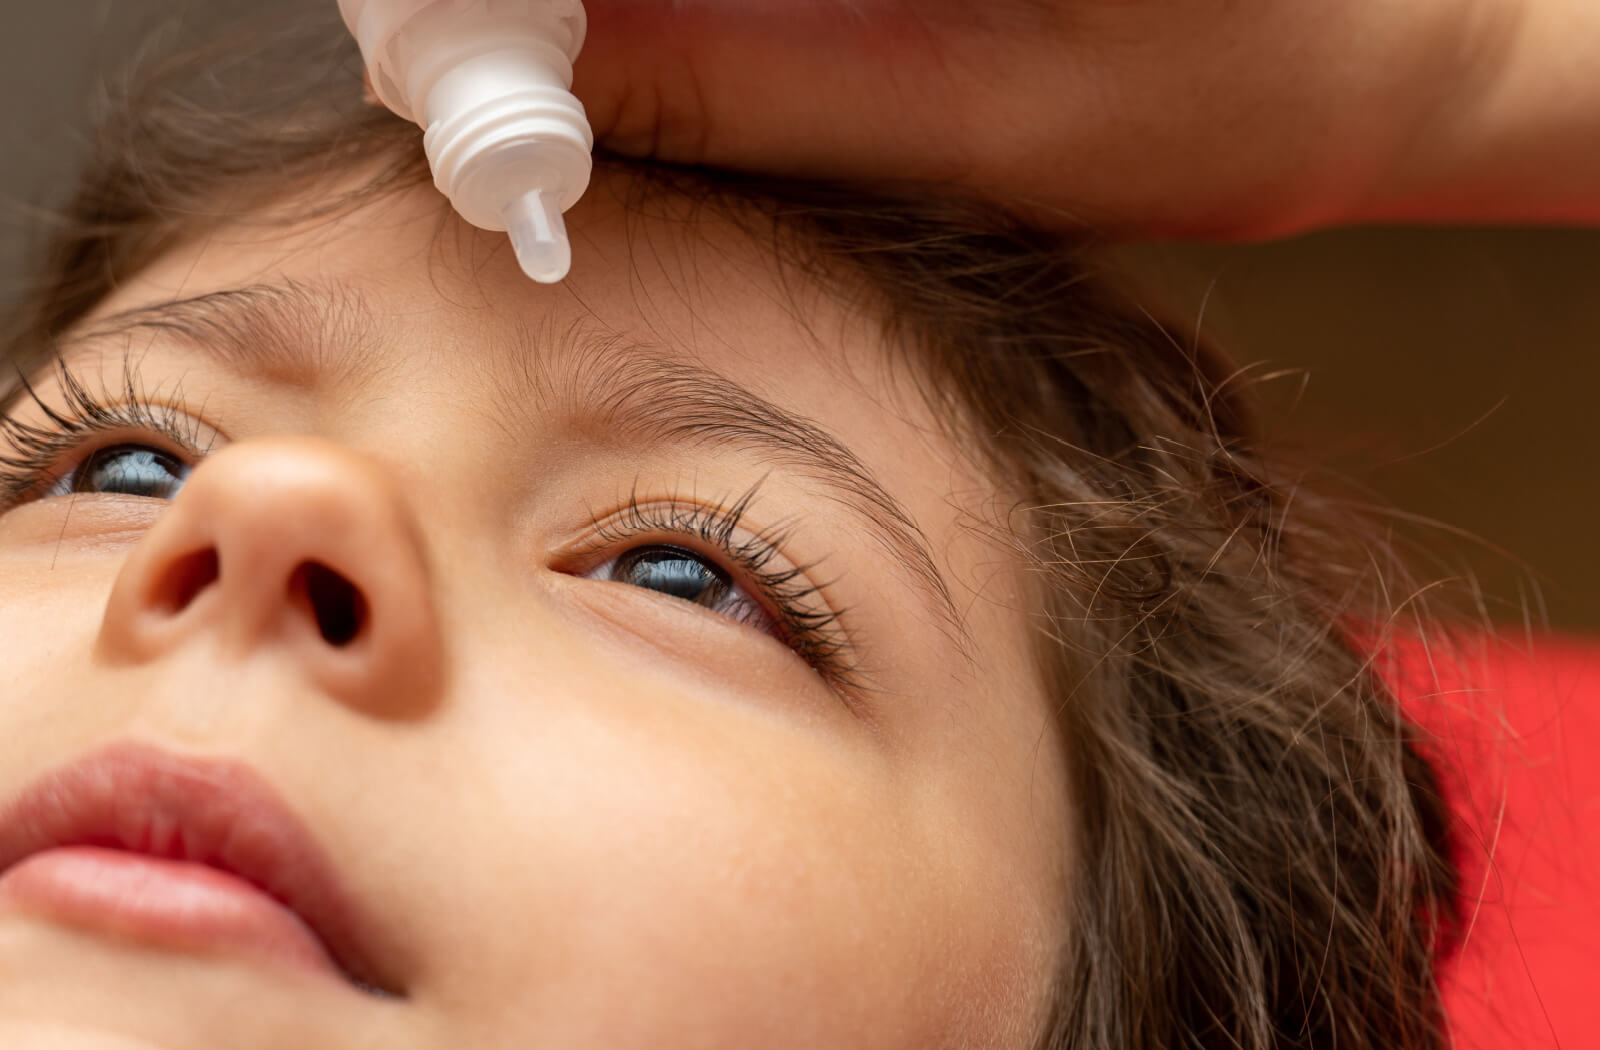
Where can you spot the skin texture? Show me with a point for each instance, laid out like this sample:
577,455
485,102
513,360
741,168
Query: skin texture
1148,117
585,814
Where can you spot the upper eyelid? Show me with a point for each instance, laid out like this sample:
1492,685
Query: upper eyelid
132,405
690,528
717,528
721,515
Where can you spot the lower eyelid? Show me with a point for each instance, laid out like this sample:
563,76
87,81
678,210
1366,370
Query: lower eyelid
707,643
754,615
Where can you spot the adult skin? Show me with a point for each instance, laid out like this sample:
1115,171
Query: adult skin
1149,117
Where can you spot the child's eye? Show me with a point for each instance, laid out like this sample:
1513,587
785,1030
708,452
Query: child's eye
683,574
125,470
48,457
760,587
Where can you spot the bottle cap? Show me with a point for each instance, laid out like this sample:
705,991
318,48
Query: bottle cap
508,143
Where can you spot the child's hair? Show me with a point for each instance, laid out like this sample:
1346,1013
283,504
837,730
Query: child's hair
1260,857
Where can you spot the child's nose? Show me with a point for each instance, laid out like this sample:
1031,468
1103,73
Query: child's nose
295,549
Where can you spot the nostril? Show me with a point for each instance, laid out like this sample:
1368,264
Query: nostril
184,579
335,601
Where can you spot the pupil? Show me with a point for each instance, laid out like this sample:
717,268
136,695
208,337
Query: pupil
675,571
131,470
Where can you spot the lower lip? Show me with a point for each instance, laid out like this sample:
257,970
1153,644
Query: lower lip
166,903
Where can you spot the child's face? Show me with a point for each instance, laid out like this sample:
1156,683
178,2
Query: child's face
578,811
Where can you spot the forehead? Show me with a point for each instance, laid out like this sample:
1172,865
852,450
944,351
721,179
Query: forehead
649,264
657,273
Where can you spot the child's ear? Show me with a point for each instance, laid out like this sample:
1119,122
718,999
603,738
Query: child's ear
368,94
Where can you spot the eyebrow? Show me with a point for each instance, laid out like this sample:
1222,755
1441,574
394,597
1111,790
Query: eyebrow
299,334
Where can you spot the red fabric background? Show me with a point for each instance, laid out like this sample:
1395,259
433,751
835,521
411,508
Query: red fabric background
1517,730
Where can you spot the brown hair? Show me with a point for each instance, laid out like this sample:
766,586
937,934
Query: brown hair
1261,859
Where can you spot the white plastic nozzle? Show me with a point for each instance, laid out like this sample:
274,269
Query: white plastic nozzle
539,236
490,82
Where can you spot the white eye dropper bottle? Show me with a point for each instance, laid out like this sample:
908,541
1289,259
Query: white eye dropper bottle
490,82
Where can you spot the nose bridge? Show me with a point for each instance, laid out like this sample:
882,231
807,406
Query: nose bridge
295,549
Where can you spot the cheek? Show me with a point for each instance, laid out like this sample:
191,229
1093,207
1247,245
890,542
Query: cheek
49,618
57,568
670,866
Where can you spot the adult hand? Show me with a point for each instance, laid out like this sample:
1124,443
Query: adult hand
1155,117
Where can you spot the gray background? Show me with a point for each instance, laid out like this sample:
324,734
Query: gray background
1454,372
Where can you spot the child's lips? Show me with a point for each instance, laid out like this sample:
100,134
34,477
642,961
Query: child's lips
170,903
186,853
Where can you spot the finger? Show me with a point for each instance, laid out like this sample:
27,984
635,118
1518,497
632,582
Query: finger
833,87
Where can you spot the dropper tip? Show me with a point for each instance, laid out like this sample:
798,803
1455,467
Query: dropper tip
539,236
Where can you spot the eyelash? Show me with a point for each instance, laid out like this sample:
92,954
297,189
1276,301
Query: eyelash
40,448
809,627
